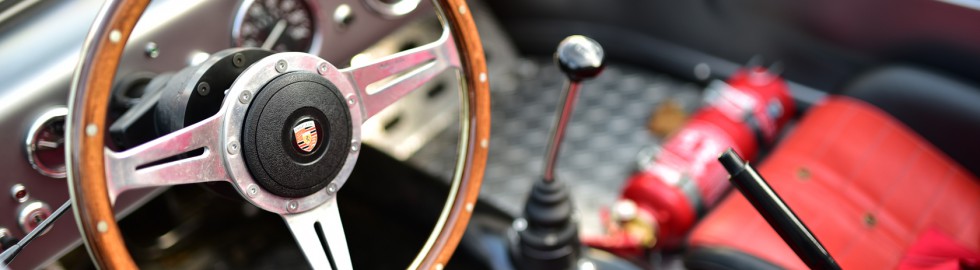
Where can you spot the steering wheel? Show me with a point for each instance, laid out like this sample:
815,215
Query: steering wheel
324,107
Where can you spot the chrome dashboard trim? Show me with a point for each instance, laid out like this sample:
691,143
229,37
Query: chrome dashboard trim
393,10
16,9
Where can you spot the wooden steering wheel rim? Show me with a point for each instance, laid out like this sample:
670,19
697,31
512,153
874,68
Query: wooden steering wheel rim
89,102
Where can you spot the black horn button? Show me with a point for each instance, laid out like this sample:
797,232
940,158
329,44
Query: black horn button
297,134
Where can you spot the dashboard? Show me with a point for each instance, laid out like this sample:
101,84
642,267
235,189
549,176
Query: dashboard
40,43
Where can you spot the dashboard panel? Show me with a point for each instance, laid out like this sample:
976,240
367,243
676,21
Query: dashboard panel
40,46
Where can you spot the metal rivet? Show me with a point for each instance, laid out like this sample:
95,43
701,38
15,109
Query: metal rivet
322,68
439,266
483,77
115,36
281,66
462,9
91,130
469,207
245,97
203,88
152,50
351,100
292,206
233,148
803,174
343,15
870,220
102,227
484,143
520,224
238,60
353,146
332,188
253,190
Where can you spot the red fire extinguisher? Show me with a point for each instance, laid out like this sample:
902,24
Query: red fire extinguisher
680,179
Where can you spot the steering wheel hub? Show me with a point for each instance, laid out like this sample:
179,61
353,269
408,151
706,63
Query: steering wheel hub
297,134
271,113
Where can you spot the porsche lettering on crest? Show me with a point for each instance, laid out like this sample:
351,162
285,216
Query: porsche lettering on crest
306,136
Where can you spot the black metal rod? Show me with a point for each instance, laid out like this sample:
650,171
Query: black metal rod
7,256
776,212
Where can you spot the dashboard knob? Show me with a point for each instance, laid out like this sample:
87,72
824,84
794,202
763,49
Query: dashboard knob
30,215
580,58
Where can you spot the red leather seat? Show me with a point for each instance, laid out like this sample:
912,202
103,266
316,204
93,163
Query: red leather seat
865,184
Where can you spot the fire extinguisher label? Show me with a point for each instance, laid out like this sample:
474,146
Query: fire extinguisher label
690,156
730,101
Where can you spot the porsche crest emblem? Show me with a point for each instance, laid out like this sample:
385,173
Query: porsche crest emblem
306,137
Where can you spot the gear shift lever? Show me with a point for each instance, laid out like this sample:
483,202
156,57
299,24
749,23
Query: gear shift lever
546,237
579,58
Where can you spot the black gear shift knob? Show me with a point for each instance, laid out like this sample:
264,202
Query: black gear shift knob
580,58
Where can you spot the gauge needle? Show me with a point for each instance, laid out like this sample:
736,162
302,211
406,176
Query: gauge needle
274,35
47,144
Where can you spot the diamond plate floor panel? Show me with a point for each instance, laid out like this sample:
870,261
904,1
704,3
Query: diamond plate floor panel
606,131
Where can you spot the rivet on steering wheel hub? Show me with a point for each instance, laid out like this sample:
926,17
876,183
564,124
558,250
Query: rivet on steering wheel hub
281,66
245,97
322,68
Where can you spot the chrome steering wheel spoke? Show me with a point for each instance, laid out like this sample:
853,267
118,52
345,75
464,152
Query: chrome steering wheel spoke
386,80
170,159
320,234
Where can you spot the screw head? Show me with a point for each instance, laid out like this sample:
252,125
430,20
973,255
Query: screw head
203,88
152,50
292,206
281,66
354,146
252,190
343,15
238,60
322,68
115,36
332,188
233,148
245,97
350,100
91,130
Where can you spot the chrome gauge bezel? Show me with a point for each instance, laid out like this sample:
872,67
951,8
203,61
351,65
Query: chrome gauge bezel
30,143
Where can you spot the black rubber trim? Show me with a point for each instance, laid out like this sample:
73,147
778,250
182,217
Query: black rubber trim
717,258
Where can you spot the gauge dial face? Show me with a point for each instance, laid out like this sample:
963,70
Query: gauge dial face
278,25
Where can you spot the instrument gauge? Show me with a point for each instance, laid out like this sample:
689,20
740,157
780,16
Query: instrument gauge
46,143
278,25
